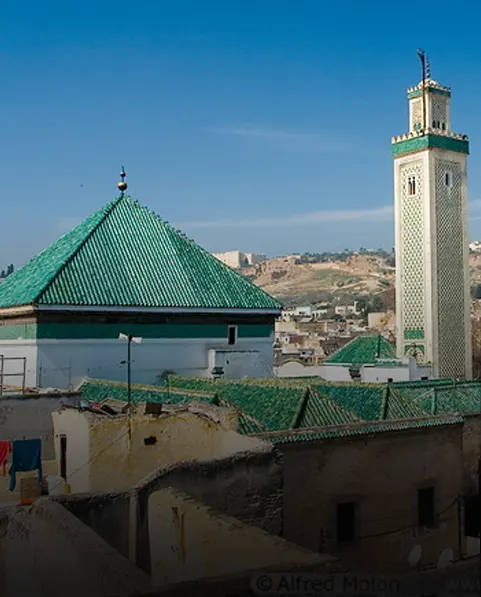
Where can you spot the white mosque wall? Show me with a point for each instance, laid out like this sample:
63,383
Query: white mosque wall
13,353
64,363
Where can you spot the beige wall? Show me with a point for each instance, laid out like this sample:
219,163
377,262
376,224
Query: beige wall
381,473
101,457
189,541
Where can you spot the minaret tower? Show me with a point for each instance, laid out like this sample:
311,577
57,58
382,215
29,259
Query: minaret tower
432,276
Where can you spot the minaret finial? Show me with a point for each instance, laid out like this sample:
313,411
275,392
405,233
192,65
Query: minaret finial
122,185
422,58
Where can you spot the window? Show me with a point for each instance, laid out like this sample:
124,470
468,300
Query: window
411,185
389,380
448,179
434,124
426,507
444,126
150,441
232,335
63,457
345,522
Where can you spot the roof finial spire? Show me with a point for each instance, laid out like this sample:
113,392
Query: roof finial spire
122,185
422,58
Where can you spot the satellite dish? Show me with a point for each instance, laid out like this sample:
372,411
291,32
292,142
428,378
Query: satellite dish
415,555
446,558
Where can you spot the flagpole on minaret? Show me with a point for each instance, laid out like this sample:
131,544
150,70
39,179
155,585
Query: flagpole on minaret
424,69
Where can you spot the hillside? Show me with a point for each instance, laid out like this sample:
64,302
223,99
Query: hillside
295,282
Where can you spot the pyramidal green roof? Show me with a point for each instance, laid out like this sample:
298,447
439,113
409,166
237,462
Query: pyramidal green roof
363,350
124,255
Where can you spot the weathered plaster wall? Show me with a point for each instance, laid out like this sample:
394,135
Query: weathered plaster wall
189,541
246,486
102,457
50,553
472,451
381,474
105,513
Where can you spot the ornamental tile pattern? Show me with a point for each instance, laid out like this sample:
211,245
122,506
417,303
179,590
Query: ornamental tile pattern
412,249
450,269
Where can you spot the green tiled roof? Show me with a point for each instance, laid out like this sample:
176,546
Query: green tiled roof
275,407
448,397
96,390
359,429
320,410
364,400
278,409
289,404
363,350
124,255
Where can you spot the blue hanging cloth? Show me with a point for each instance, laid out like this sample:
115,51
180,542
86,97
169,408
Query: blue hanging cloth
26,456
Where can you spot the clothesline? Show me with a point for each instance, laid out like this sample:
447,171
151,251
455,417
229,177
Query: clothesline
26,456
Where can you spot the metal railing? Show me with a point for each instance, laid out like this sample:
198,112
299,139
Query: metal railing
5,374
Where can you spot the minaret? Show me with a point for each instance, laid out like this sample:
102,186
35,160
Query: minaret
432,275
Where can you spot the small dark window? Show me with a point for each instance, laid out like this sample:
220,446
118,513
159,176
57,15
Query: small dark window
63,457
434,124
448,179
444,126
412,185
232,334
389,380
150,441
345,522
424,378
426,507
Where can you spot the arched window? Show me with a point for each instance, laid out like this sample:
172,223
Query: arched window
412,185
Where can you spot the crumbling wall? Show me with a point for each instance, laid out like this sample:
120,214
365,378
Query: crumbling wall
189,541
107,514
246,486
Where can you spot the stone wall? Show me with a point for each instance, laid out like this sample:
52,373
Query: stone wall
381,475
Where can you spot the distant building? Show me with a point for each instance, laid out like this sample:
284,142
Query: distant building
236,259
475,246
125,271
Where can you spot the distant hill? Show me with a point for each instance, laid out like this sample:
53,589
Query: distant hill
295,280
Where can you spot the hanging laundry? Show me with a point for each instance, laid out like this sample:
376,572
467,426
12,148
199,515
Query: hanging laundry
5,449
26,456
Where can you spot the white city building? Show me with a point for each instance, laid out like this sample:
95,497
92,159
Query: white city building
432,281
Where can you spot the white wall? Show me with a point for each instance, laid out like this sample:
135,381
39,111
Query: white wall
327,372
20,348
384,374
67,362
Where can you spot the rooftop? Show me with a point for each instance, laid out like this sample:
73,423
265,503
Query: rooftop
363,350
124,255
288,406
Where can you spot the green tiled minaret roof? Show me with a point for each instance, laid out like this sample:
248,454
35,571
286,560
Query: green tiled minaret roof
124,255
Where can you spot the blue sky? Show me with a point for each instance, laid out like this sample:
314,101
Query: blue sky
259,125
